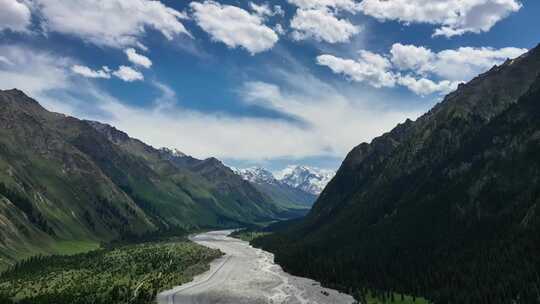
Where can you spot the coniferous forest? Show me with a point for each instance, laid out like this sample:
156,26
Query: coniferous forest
123,274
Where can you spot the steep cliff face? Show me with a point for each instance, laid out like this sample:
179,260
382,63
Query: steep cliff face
420,206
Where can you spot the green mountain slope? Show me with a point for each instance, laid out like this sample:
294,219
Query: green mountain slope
207,184
66,185
288,196
443,207
49,185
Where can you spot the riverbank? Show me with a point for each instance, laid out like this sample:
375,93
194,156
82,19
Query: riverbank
247,275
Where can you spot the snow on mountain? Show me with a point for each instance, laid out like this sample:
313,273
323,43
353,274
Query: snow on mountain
173,152
309,179
256,175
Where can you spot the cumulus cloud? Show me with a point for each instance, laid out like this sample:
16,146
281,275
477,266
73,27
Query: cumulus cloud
455,17
264,9
123,72
346,5
411,66
128,74
454,64
319,20
85,71
14,15
424,86
322,25
371,68
234,26
411,57
113,23
137,58
278,28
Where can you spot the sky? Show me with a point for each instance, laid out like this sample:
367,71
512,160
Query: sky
256,83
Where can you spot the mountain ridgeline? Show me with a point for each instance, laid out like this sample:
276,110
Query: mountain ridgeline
296,187
444,207
67,185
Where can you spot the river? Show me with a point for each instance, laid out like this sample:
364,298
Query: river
247,275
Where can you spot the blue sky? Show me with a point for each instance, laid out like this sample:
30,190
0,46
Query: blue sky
267,83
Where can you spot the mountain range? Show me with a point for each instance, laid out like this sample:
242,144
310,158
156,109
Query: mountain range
296,186
68,184
444,207
309,179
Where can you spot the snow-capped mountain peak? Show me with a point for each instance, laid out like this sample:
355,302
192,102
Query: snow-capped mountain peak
256,175
309,179
173,152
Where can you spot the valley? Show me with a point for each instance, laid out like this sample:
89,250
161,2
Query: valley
269,152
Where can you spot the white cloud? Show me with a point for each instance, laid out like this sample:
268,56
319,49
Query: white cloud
89,73
424,86
319,20
410,57
454,64
468,62
327,120
137,58
128,74
123,72
450,67
346,5
234,26
455,17
322,25
114,23
33,71
14,15
278,28
264,10
371,68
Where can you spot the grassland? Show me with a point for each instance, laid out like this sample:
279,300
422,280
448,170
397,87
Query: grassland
126,274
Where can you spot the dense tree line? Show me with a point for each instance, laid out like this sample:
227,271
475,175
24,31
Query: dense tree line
494,271
125,274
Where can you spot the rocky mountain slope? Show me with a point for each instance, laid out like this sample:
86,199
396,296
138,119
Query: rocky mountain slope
444,207
282,193
66,184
